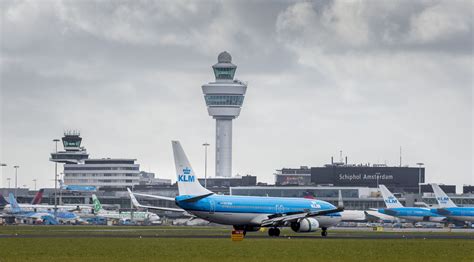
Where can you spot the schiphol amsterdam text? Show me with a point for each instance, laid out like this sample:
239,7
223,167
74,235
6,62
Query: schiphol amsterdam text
351,177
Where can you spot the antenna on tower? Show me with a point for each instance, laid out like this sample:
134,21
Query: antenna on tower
400,156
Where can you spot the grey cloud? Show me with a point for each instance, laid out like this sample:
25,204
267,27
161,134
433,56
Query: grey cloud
365,77
369,26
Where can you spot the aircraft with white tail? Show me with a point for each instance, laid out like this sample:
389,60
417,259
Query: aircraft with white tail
396,209
449,209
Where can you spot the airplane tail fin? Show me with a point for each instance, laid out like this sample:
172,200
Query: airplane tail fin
340,202
443,199
3,201
133,198
38,197
188,183
96,203
390,200
14,205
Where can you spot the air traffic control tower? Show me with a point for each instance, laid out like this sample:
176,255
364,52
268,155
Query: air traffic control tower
224,98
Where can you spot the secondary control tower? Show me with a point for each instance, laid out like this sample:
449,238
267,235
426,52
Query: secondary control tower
73,152
224,99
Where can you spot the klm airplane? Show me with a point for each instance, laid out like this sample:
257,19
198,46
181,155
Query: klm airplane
247,213
415,214
449,209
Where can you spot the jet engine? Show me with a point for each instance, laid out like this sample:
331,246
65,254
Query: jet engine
305,225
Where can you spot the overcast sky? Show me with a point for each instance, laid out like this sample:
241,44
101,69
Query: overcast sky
364,77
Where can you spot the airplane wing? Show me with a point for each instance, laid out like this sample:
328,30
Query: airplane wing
281,219
137,204
153,196
161,208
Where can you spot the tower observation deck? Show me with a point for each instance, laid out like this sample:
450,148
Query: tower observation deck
224,99
73,152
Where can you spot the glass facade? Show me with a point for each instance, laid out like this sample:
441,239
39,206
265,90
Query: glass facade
295,192
300,180
224,100
224,73
109,161
72,141
61,155
82,167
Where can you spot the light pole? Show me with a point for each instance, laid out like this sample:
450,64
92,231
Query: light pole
61,189
16,178
8,179
34,181
205,163
419,177
377,177
1,178
55,180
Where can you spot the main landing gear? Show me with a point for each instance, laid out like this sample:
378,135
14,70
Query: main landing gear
274,232
324,232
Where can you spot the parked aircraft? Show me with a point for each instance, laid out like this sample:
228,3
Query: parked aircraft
40,217
449,209
359,216
36,206
396,209
138,216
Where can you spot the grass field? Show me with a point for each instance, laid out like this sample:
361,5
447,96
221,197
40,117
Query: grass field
133,248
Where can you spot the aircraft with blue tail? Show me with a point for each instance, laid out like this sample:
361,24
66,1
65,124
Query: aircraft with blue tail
36,206
449,209
46,217
248,213
415,214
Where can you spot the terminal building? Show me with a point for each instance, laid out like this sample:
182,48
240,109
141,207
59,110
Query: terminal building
342,174
102,173
468,189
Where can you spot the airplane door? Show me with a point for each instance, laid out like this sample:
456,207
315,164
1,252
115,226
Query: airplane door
212,206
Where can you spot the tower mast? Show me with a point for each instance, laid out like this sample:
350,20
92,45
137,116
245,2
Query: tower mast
224,99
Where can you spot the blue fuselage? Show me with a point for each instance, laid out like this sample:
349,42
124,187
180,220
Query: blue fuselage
412,213
456,213
247,209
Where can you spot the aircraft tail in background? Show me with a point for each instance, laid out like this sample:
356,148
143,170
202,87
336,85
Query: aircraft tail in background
97,206
38,197
340,202
390,200
135,202
14,205
3,201
443,199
